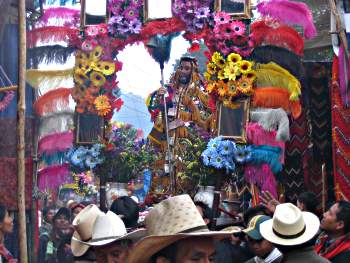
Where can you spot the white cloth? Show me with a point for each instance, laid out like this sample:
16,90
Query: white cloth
270,258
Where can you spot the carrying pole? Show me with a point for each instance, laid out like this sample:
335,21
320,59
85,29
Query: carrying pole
22,45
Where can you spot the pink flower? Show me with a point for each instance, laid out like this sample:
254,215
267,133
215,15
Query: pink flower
222,18
88,45
227,32
238,27
130,13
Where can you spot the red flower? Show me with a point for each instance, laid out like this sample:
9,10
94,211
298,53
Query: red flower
117,104
118,66
195,47
207,54
110,147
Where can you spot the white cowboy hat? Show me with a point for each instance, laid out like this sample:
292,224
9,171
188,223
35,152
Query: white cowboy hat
171,220
109,228
289,226
83,224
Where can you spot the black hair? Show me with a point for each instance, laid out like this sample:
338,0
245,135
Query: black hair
46,210
207,211
310,201
62,211
285,249
127,207
254,211
3,211
344,214
168,252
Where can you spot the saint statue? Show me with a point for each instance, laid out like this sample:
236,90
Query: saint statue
187,104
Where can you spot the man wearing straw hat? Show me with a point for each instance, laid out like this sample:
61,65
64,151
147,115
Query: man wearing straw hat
105,233
176,233
293,232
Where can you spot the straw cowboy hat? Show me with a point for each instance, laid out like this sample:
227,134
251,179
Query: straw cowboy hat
109,228
83,224
289,226
171,220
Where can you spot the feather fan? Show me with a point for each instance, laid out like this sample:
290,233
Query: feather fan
53,176
274,75
344,77
56,142
63,15
267,154
269,32
271,120
52,101
290,12
50,33
48,78
281,56
56,122
274,97
48,54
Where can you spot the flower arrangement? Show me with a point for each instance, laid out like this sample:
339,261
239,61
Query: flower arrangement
195,14
229,36
126,17
83,159
95,88
230,78
83,183
126,154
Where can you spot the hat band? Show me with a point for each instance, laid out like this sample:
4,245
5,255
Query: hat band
195,229
104,238
289,236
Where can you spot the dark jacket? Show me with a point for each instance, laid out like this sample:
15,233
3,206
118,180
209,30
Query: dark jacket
304,255
226,252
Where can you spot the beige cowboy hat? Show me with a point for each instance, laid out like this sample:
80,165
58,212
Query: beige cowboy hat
83,224
109,228
289,226
171,220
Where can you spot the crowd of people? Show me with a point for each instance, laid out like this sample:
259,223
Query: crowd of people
176,230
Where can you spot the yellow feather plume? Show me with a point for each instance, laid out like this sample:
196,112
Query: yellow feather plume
50,79
273,75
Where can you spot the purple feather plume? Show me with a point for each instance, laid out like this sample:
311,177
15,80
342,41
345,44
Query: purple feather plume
290,12
53,176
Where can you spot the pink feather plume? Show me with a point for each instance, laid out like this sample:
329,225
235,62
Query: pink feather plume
344,77
53,176
61,15
290,12
56,142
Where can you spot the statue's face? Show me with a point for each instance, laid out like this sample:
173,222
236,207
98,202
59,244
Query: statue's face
185,70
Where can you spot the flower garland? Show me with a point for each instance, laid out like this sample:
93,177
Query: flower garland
126,17
230,78
6,100
95,88
83,183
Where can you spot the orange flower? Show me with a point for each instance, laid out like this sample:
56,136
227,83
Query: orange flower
102,105
245,86
232,88
222,88
211,87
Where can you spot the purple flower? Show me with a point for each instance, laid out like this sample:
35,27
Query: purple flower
135,26
202,12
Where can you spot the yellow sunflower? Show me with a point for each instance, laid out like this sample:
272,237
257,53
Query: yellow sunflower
221,75
231,71
207,76
216,56
80,77
102,105
211,68
107,68
245,66
251,75
234,58
232,88
222,89
96,54
97,78
82,65
245,86
211,87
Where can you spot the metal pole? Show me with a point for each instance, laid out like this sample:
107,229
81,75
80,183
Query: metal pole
22,235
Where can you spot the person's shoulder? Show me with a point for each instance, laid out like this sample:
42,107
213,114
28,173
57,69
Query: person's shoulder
343,257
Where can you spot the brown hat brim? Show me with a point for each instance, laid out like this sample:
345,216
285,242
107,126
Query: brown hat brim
150,245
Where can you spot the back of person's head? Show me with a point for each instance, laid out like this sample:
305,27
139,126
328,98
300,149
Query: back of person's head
286,249
309,202
253,211
344,215
127,208
3,210
206,210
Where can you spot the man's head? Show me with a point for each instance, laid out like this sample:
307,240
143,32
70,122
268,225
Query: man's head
205,211
61,220
260,246
336,221
185,70
253,211
308,202
192,249
127,209
117,252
